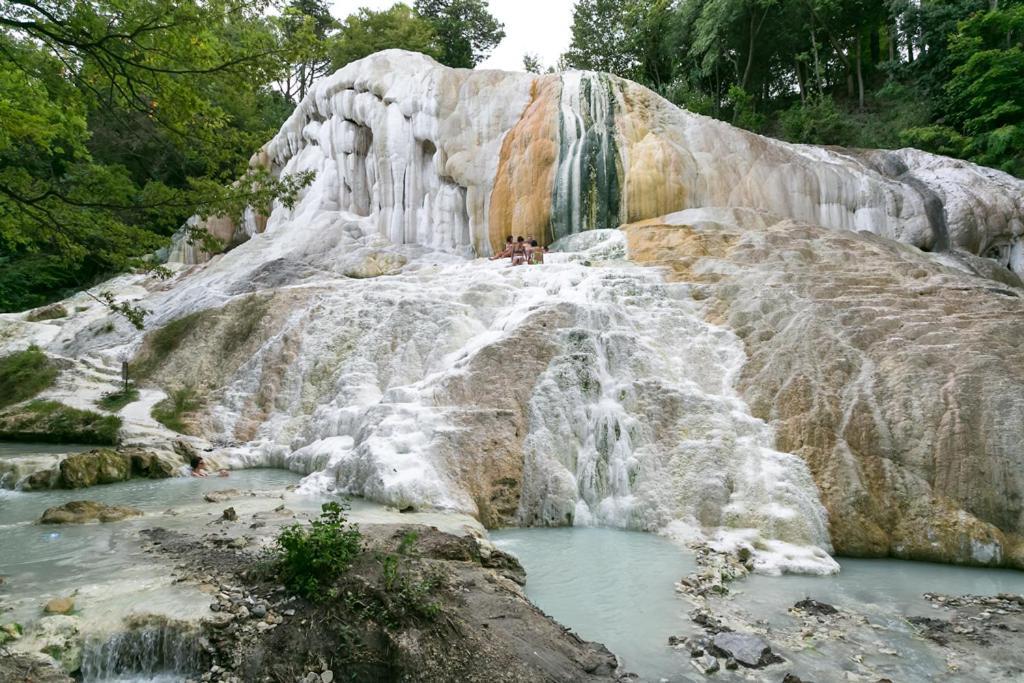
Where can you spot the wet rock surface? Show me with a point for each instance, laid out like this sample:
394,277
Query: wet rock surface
866,357
107,466
24,667
747,649
83,511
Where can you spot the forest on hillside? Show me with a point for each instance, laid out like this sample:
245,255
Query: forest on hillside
121,118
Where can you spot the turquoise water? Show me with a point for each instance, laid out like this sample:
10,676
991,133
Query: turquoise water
617,588
613,587
40,561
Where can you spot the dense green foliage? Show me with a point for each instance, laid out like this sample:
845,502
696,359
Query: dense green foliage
54,422
366,32
312,558
24,374
466,31
943,75
119,120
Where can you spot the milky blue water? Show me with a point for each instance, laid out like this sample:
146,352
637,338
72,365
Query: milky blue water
617,588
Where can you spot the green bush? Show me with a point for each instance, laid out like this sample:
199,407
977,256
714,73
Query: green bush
817,121
170,411
744,110
24,374
54,422
312,558
116,400
408,596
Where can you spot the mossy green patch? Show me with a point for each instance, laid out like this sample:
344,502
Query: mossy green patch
172,411
24,374
116,400
162,343
54,422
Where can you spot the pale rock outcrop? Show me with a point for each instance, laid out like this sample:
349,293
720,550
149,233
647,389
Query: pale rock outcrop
894,376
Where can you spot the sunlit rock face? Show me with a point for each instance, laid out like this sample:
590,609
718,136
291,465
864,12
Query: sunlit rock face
894,374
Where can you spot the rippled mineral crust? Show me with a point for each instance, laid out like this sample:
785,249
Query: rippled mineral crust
897,378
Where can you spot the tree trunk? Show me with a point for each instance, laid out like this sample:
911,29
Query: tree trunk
893,41
817,62
800,82
860,77
876,46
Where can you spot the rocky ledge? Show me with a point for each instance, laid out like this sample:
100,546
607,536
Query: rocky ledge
91,468
418,604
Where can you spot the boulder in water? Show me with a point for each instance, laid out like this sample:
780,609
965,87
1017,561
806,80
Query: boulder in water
815,608
59,606
749,650
99,466
82,511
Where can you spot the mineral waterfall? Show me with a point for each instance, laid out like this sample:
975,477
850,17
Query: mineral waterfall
826,357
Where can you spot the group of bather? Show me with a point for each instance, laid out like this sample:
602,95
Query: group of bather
521,251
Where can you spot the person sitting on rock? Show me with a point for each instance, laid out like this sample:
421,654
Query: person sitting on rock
506,252
536,253
519,252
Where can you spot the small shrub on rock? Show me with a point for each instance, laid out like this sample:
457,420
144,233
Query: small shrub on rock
312,558
116,400
24,374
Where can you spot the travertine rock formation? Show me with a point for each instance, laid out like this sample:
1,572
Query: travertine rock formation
457,159
896,377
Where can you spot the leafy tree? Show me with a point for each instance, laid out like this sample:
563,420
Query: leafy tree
366,32
531,63
120,119
466,30
986,91
600,40
307,28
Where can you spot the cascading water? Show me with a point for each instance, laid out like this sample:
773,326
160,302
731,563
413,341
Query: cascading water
144,651
629,418
586,193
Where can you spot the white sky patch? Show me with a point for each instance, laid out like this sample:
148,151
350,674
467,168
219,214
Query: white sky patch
540,27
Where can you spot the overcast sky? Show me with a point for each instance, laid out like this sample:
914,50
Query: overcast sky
536,26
